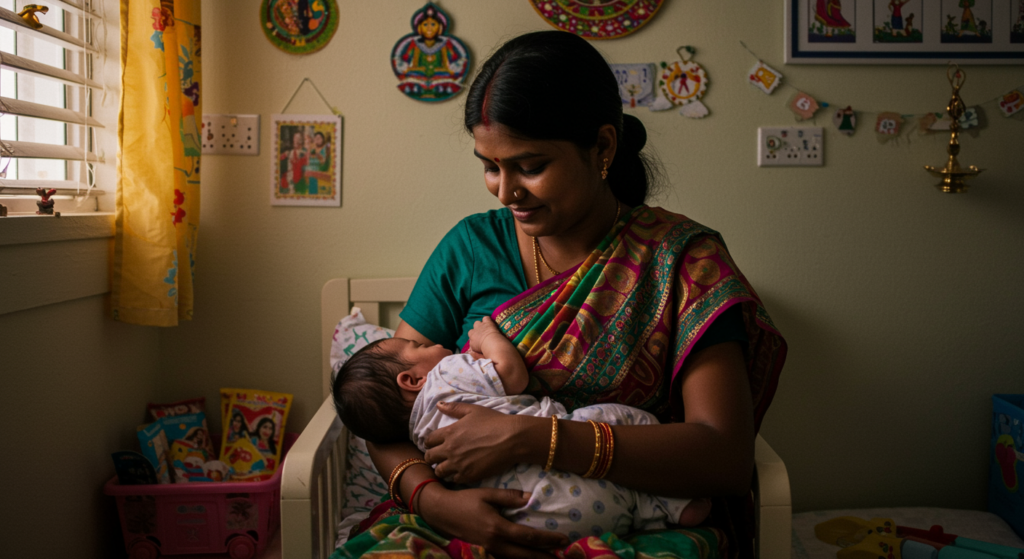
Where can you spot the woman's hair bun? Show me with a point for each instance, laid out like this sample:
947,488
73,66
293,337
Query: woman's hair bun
634,135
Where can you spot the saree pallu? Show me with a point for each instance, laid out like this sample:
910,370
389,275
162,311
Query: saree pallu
618,328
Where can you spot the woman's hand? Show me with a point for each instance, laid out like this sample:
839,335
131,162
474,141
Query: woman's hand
481,444
472,515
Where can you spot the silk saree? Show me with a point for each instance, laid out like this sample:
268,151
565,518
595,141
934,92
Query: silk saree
618,328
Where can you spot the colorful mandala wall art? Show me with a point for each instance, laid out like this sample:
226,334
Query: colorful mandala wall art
299,26
598,19
430,64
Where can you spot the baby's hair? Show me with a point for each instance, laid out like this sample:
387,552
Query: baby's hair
367,397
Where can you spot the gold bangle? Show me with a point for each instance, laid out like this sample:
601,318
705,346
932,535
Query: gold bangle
597,448
607,451
554,443
396,475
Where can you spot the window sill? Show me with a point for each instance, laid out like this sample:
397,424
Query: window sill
49,259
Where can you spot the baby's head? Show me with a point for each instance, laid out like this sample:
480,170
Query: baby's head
375,389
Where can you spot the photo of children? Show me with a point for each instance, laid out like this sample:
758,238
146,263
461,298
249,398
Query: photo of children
896,21
1017,20
307,168
967,21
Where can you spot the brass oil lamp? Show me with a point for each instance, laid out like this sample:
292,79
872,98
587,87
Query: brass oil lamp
953,175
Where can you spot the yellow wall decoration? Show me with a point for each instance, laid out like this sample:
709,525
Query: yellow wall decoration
158,164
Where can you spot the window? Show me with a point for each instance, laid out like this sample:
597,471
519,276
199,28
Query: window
57,120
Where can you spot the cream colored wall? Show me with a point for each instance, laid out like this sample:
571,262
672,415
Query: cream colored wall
900,304
75,385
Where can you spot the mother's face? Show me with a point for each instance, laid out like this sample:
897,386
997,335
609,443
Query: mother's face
558,184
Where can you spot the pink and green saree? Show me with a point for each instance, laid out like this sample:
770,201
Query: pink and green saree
618,328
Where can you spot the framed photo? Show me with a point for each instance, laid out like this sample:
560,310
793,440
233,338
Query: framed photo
306,169
904,31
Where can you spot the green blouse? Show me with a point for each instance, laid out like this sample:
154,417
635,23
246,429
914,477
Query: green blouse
476,268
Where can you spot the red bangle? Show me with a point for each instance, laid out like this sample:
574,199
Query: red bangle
412,499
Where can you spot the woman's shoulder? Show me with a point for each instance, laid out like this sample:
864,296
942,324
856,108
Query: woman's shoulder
665,225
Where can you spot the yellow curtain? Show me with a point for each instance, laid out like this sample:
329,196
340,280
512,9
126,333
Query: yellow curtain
158,162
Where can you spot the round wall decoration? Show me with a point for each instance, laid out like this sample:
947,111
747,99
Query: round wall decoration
299,26
597,19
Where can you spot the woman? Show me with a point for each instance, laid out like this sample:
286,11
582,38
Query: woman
609,301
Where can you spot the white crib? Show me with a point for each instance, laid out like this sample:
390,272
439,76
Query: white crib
311,484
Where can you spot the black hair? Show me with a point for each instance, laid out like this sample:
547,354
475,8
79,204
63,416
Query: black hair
367,397
270,442
554,85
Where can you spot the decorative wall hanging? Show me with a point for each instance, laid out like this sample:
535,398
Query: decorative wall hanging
682,84
636,83
887,126
845,120
764,77
299,26
904,31
597,19
1012,103
954,176
430,64
307,160
803,106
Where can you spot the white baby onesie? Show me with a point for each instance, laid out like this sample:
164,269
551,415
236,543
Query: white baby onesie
562,502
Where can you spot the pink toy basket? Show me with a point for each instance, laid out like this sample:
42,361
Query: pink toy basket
175,519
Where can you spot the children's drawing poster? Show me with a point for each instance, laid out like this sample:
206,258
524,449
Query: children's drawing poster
904,31
898,21
306,168
967,21
832,23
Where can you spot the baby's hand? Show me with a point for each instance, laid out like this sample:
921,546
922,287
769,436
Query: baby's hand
481,330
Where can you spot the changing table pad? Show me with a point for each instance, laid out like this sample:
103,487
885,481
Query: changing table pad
975,524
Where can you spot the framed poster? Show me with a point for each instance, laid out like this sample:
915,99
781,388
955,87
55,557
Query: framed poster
306,166
904,31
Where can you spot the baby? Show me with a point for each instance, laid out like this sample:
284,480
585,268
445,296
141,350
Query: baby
389,390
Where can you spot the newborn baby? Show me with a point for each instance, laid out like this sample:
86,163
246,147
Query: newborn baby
389,391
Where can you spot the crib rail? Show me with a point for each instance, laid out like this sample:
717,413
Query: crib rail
773,507
311,487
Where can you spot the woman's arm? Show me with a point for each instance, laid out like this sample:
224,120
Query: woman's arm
711,454
409,333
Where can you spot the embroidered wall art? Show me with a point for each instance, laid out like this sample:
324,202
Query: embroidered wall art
299,26
598,19
431,64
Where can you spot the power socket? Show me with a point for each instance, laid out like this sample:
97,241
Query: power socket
231,134
779,146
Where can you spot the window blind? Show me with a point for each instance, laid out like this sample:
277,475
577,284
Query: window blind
50,82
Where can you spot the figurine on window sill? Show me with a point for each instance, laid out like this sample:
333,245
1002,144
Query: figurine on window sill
46,204
3,210
28,13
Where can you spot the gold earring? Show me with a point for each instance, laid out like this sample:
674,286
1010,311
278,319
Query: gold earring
604,172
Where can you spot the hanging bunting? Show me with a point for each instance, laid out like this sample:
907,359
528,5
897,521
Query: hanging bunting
682,83
887,126
430,64
604,19
803,106
970,119
925,123
1012,103
296,30
636,83
764,77
845,120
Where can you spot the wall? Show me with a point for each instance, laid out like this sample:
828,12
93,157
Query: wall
895,299
77,384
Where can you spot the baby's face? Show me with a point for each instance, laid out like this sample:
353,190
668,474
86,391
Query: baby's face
422,357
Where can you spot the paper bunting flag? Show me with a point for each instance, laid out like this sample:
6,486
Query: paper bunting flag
803,106
941,123
888,126
1012,103
764,77
682,84
925,123
430,64
845,121
636,83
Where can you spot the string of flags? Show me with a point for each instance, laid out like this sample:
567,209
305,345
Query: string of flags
888,125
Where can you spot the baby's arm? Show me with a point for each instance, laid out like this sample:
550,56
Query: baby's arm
486,338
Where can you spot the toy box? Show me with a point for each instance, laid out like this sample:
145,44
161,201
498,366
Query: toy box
1006,479
234,517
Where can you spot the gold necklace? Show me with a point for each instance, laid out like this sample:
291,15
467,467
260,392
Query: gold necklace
537,254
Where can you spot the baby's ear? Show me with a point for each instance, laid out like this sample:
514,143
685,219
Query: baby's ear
408,381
